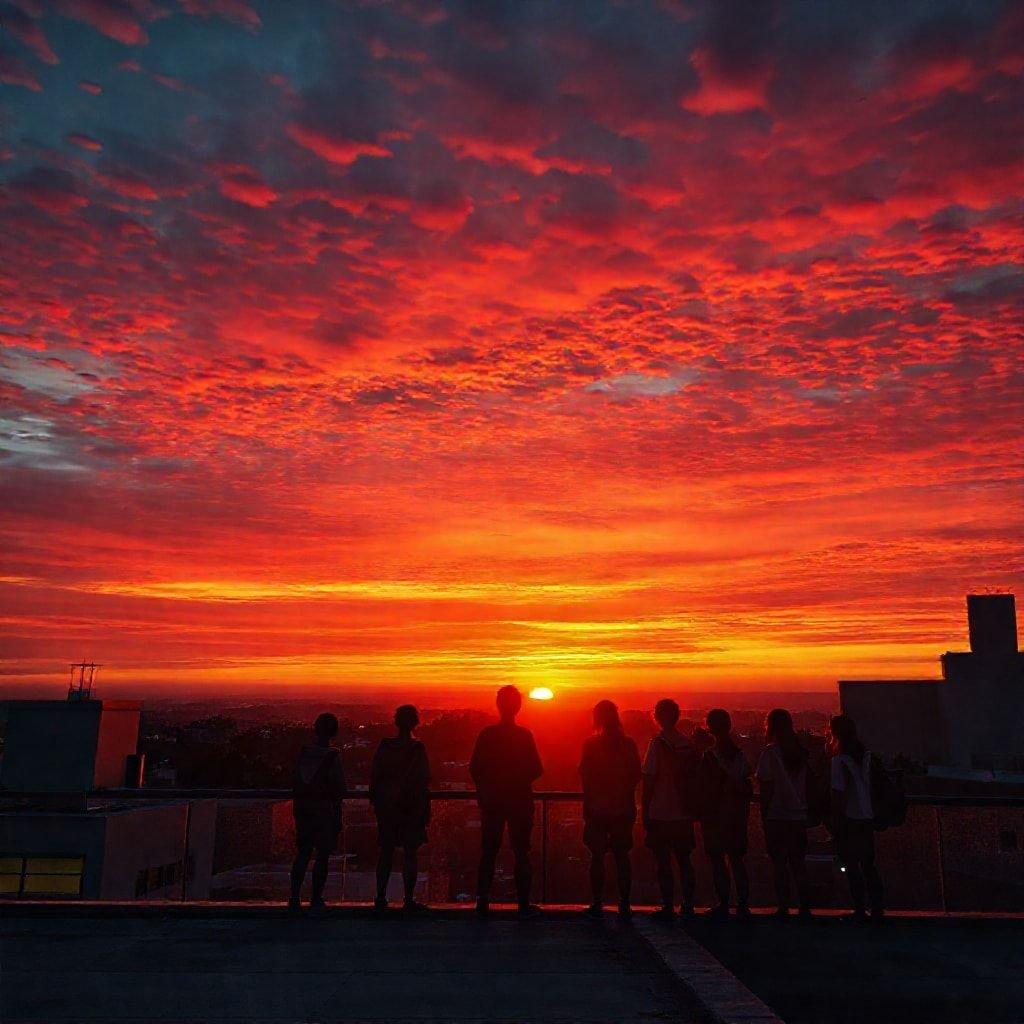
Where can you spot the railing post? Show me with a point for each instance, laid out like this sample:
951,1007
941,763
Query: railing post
942,858
185,855
543,849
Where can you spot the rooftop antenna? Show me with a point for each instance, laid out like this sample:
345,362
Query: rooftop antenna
80,688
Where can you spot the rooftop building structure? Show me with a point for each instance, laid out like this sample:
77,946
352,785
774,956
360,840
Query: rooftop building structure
972,717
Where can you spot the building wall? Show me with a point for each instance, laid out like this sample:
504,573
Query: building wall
45,834
151,838
50,745
118,737
983,700
898,717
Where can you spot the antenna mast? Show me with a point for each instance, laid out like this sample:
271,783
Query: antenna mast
80,688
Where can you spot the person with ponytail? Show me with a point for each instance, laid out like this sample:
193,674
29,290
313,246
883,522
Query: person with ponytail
783,773
726,790
610,771
853,826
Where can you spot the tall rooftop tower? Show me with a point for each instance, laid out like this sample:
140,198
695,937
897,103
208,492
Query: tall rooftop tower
992,624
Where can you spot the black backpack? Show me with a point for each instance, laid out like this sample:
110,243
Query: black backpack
888,797
318,788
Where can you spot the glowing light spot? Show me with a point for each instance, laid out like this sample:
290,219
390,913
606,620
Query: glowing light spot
541,693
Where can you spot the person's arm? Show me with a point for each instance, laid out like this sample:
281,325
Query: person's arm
337,777
423,766
474,762
766,785
748,782
584,767
536,768
837,803
646,794
375,770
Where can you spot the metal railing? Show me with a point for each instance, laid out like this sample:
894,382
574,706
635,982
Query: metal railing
951,833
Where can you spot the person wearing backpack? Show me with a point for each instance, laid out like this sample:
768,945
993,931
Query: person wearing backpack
610,771
400,795
783,775
669,785
853,816
316,803
726,791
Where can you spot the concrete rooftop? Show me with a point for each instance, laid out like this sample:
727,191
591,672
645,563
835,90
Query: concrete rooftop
346,968
914,969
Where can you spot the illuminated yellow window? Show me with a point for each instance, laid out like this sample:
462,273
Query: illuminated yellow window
53,865
41,876
52,885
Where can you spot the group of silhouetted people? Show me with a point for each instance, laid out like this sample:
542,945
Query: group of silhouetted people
705,780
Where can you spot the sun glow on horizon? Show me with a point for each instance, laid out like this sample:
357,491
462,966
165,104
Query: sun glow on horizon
542,693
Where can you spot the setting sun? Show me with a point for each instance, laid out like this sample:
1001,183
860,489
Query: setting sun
541,693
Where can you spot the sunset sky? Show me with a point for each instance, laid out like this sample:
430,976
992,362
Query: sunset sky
614,346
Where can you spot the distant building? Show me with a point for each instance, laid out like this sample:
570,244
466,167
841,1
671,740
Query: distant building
973,717
56,841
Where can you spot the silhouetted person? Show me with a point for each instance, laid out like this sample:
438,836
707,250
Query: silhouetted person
400,794
610,770
783,775
504,766
669,777
726,792
317,795
853,826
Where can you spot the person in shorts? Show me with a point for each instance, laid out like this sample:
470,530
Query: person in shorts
853,825
726,791
610,771
783,775
669,773
317,795
400,795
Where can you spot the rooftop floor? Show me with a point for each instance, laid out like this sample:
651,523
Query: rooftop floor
913,969
345,968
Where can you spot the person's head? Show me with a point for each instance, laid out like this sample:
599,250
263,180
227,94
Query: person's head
719,722
606,717
325,727
778,725
842,736
666,713
778,729
406,718
509,701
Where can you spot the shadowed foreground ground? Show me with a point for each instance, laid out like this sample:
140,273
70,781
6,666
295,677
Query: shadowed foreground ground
910,971
344,969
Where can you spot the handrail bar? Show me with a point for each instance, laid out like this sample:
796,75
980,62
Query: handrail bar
361,793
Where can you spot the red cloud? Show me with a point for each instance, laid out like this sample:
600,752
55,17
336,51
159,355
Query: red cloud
111,17
27,30
14,72
335,149
725,94
244,185
85,142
